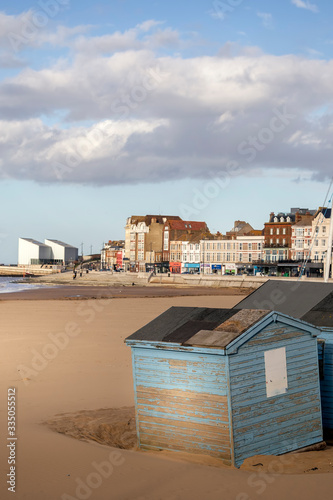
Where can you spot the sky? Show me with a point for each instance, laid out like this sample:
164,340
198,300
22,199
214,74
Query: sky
211,110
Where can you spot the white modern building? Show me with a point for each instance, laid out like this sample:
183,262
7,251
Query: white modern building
62,253
33,252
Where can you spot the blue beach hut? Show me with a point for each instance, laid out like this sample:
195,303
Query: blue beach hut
227,383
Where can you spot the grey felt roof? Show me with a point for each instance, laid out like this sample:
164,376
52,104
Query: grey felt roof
309,301
198,326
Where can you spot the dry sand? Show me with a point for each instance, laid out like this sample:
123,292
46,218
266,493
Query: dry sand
90,373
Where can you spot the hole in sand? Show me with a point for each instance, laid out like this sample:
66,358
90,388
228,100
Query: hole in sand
109,426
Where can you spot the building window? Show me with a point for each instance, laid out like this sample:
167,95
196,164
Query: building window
250,257
284,230
271,231
277,230
240,257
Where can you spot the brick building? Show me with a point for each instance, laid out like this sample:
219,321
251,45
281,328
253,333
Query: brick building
112,255
174,229
278,233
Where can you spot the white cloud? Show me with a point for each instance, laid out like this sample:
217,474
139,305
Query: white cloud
305,5
266,18
167,116
148,25
314,53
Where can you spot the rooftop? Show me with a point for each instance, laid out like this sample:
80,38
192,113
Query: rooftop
34,242
61,243
187,225
147,219
198,326
311,302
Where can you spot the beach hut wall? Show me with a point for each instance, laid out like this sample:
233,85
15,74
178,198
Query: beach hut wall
227,383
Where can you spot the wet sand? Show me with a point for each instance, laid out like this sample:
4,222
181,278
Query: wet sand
108,292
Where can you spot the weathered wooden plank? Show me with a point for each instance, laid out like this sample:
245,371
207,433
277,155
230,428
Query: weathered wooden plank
258,413
205,424
245,397
188,444
178,393
151,444
253,361
281,421
193,411
185,432
266,443
258,378
184,399
181,414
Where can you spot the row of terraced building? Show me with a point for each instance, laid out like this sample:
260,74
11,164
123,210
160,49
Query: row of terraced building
164,243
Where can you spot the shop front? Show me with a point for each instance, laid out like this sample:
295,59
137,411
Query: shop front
191,268
230,268
158,267
205,268
175,267
217,268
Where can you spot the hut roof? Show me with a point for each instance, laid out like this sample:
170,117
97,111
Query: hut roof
198,326
311,302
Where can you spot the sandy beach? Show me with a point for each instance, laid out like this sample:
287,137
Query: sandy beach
70,367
